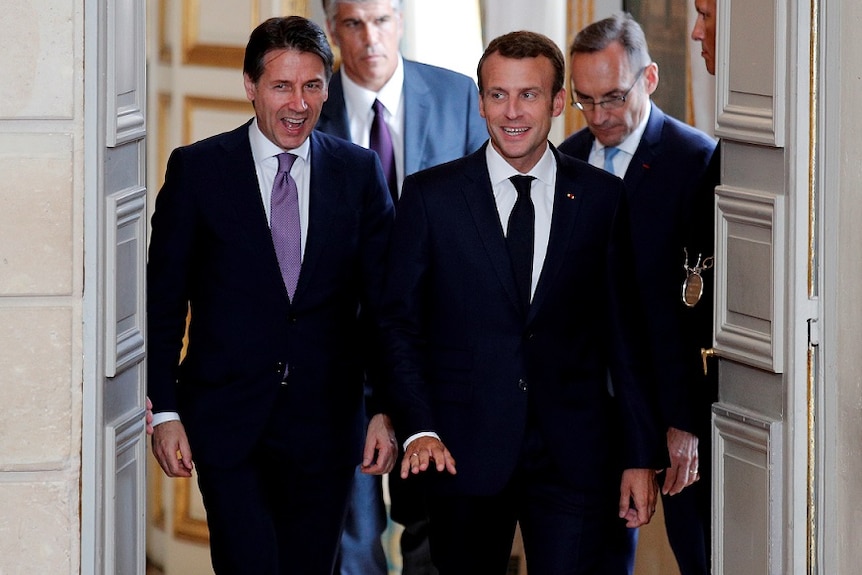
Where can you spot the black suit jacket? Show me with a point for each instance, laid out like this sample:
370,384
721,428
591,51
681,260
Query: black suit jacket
468,364
669,186
211,249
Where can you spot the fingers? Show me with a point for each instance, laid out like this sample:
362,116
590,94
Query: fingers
638,495
171,449
381,449
420,454
683,451
149,416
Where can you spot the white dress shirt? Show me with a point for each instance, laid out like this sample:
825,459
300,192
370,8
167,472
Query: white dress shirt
358,102
627,149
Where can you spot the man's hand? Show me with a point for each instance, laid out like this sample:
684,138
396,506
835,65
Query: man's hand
682,448
421,452
638,494
171,448
149,416
380,446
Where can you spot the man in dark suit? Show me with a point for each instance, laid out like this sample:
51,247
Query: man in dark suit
504,311
432,116
283,289
665,165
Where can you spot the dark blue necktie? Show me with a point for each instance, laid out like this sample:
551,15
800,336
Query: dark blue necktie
520,236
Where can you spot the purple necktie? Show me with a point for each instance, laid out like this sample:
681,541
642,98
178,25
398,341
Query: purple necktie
284,223
380,141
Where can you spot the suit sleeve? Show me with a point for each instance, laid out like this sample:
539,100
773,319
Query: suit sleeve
168,278
643,438
405,294
375,233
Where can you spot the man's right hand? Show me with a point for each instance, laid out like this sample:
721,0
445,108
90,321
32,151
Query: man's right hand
422,452
171,448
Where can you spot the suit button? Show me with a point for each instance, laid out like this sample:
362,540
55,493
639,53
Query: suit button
522,385
291,318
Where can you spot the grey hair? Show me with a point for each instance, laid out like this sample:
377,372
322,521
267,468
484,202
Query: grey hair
330,7
620,27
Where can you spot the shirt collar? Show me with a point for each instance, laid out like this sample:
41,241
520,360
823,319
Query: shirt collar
358,98
263,148
633,140
499,169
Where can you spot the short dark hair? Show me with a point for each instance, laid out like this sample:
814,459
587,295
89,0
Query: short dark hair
524,44
290,32
620,27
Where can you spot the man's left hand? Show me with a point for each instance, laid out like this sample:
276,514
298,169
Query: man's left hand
380,446
682,449
638,494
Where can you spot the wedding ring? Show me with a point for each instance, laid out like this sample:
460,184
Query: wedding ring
179,454
414,454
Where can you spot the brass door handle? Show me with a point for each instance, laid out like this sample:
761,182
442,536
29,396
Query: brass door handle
705,354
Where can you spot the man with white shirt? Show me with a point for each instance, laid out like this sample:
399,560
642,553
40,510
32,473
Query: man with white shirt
666,166
273,237
431,116
506,305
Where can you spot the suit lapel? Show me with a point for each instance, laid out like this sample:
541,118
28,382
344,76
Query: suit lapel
648,149
241,188
567,205
333,117
417,110
479,197
329,179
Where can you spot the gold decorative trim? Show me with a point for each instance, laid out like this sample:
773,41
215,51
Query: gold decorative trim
194,103
219,55
165,51
186,526
163,112
579,13
295,7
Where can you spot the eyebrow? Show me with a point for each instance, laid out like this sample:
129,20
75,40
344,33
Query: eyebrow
611,94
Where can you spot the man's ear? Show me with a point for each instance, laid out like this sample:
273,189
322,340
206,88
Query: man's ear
651,77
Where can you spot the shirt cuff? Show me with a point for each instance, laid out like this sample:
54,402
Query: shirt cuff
164,417
416,436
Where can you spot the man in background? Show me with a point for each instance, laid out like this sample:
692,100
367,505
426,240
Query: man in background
665,165
274,236
506,306
704,32
415,116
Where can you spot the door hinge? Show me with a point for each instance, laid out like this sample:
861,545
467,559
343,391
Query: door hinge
813,322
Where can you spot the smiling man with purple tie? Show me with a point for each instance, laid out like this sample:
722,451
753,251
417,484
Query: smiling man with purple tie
273,236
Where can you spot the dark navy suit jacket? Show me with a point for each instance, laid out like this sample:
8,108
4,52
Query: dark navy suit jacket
468,363
211,250
441,115
669,185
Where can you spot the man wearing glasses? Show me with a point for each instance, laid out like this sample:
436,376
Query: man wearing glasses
665,165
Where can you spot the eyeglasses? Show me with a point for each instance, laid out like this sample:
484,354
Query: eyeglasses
614,103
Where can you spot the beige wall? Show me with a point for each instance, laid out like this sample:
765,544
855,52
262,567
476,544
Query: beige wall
41,283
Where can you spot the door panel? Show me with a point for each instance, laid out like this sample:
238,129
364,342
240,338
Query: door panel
764,272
